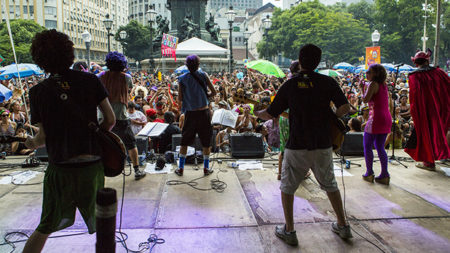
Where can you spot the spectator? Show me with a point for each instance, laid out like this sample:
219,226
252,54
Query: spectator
273,134
137,118
165,140
355,125
246,122
223,139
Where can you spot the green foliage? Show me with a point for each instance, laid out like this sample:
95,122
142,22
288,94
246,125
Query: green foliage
341,37
343,31
137,43
23,32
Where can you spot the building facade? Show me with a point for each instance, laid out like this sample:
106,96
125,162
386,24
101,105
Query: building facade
73,17
237,4
138,9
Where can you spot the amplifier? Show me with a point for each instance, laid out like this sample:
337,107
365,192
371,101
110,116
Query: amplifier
247,145
353,144
41,154
176,141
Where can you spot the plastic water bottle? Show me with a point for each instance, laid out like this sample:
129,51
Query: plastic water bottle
232,164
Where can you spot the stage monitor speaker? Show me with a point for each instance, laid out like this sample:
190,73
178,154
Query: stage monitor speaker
353,144
142,144
41,154
176,141
246,145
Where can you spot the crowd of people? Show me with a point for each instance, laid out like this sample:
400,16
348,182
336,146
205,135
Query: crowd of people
153,99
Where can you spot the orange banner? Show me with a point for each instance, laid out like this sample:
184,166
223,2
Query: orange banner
373,55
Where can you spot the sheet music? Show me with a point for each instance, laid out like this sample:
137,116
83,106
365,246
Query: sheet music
224,117
153,129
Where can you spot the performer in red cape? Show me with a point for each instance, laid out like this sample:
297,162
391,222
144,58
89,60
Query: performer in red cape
430,110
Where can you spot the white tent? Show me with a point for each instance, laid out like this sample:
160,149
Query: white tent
199,47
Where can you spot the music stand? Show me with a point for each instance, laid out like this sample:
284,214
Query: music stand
393,157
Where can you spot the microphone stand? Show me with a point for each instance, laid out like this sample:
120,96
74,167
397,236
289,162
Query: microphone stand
393,157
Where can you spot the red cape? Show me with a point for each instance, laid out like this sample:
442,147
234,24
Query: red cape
430,110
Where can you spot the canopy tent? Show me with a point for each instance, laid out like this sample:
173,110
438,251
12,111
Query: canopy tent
200,47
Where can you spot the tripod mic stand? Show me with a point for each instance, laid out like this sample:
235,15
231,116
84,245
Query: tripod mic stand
393,157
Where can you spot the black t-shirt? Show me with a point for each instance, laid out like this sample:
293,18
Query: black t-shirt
67,135
308,96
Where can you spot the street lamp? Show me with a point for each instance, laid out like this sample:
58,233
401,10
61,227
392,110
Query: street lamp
375,37
123,36
247,35
108,25
87,40
230,17
151,16
267,23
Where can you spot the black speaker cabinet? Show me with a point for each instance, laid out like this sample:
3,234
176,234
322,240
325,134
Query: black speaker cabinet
41,154
353,144
246,145
176,141
142,144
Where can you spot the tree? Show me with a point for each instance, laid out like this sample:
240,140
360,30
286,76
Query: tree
363,11
137,43
23,32
341,37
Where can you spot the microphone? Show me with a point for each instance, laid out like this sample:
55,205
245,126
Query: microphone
105,213
399,65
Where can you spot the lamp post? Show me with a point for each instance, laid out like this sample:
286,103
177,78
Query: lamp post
87,40
151,16
375,38
230,17
123,36
267,23
426,7
108,25
247,35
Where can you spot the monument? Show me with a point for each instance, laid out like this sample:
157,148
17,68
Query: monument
188,20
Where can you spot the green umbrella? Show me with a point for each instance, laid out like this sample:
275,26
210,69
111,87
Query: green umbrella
266,67
329,72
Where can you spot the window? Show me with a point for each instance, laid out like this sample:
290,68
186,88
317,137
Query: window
25,9
50,24
50,10
31,9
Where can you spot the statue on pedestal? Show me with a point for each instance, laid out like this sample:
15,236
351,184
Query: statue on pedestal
213,29
189,28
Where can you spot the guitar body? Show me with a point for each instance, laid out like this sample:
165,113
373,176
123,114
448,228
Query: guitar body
113,153
338,130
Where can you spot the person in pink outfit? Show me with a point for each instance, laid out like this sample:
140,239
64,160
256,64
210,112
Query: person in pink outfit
379,123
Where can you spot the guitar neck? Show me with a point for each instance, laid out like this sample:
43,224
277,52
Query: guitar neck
245,100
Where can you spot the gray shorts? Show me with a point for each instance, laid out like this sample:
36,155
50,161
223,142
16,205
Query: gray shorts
296,164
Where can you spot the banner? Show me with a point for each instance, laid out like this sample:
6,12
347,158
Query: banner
373,55
169,45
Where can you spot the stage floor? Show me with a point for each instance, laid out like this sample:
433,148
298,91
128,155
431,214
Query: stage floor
409,215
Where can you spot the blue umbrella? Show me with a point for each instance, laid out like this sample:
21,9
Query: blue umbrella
25,69
388,66
360,68
343,65
183,69
5,94
406,68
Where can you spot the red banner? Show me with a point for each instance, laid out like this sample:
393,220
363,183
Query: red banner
168,52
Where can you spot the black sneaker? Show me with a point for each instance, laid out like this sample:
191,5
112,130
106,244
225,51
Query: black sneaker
207,171
343,231
179,172
288,237
139,174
